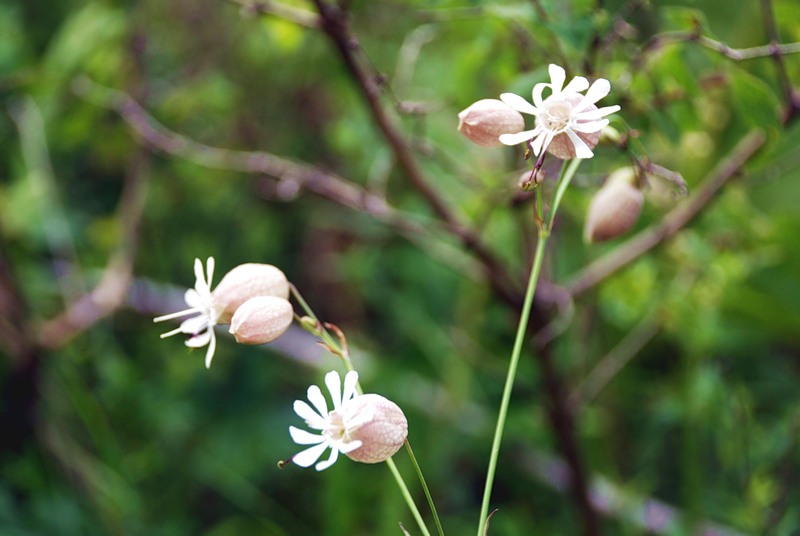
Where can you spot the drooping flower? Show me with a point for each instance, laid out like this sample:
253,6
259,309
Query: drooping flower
366,428
486,120
248,281
261,320
615,207
568,123
200,328
241,284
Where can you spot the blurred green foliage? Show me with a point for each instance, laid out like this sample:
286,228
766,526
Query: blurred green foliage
131,435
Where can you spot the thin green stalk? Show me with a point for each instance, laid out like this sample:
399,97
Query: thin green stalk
345,355
407,496
544,233
425,488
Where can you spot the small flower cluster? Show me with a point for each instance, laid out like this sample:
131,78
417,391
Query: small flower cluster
568,122
252,298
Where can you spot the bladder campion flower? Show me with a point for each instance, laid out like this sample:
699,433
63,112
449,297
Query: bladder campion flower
244,282
248,281
615,207
366,428
261,320
200,302
568,123
484,121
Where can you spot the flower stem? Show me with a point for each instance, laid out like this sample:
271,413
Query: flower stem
340,350
407,496
567,172
425,488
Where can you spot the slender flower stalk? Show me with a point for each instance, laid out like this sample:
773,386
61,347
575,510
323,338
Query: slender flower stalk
545,226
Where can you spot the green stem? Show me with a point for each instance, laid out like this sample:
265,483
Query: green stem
334,344
425,488
567,173
407,496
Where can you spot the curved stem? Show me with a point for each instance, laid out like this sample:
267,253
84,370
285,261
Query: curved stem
425,488
567,173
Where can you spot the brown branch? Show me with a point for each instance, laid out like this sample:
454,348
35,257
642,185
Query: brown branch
334,23
644,241
791,97
111,291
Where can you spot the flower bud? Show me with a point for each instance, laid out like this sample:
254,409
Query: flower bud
484,121
561,146
261,320
378,423
615,207
248,281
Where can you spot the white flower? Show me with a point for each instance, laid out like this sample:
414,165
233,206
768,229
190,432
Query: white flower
564,116
332,424
200,302
366,428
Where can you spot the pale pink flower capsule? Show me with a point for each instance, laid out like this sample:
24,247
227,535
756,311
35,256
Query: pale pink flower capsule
614,208
248,281
486,120
382,431
261,320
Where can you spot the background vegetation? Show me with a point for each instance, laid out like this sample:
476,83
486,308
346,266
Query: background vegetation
669,385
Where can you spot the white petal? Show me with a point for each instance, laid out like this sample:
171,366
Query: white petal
581,149
518,103
209,271
171,333
199,277
350,382
576,85
310,455
557,77
597,114
541,142
317,400
537,93
193,299
194,325
175,315
591,126
599,89
301,437
519,137
321,466
211,348
198,341
305,412
334,384
344,448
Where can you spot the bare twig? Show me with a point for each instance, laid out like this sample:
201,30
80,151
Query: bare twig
613,362
736,54
299,16
635,247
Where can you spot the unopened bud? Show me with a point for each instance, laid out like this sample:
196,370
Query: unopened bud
248,281
530,179
484,121
261,320
378,423
615,207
